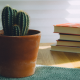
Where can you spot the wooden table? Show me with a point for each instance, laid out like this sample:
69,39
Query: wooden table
59,59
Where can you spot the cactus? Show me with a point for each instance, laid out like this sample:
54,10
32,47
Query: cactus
15,30
7,20
14,16
23,22
11,17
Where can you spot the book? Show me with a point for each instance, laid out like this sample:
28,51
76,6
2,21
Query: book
65,49
69,37
68,43
67,28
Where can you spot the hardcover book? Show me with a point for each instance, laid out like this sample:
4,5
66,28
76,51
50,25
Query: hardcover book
68,43
69,37
65,48
67,28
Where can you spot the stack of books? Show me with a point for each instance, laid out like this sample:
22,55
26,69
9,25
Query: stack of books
69,40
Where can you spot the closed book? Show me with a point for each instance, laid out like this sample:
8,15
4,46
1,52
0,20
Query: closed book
69,37
68,43
54,47
67,28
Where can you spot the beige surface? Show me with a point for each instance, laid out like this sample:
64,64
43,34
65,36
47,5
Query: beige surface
59,59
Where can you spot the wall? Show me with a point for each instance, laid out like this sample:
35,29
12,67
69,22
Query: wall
46,13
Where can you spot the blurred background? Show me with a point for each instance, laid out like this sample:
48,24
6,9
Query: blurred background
46,13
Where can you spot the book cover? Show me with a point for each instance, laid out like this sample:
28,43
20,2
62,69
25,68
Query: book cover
75,25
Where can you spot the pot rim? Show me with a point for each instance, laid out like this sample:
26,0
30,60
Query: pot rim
30,35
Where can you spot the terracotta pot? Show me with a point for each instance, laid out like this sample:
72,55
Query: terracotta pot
18,54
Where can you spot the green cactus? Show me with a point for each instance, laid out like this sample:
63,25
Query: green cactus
14,16
23,22
11,17
7,19
15,30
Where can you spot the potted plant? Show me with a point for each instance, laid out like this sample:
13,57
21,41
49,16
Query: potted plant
18,44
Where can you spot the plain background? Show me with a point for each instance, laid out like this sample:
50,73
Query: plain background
46,13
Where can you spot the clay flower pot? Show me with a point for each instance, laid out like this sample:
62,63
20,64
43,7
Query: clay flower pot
18,54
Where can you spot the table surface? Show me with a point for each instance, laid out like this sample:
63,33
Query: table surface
55,58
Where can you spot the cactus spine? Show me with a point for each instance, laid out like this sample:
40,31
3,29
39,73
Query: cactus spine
15,30
7,20
22,22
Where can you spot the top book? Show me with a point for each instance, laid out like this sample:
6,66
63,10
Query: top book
67,28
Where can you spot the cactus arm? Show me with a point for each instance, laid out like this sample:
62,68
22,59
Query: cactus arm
15,30
7,20
14,16
24,25
3,22
10,20
21,21
27,27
